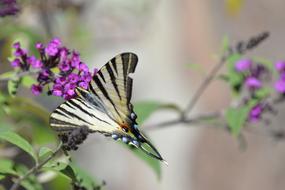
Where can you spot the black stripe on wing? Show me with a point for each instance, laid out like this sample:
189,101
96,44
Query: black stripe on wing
113,86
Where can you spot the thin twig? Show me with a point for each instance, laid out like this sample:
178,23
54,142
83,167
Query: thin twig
35,168
194,120
207,81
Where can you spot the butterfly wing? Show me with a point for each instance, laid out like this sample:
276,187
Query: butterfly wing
113,86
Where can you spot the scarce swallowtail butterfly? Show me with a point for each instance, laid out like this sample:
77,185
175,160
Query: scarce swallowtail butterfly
104,107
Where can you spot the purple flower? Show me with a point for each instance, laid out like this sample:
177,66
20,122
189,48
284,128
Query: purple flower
63,54
280,66
69,89
83,67
45,75
32,60
280,86
20,52
86,77
16,63
36,89
253,83
53,47
64,66
243,65
39,46
8,8
60,80
72,71
84,84
56,41
255,113
75,60
16,45
73,78
57,90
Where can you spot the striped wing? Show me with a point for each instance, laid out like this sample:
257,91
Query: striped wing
113,86
77,113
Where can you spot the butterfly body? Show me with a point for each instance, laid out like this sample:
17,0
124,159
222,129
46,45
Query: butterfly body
104,107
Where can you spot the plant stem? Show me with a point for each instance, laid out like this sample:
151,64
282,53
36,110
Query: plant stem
35,169
194,120
206,82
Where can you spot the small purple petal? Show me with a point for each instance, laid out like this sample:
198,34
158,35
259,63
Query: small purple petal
86,77
83,67
63,54
280,66
255,113
36,89
73,78
56,41
45,75
20,52
16,63
253,83
17,45
57,90
53,47
60,80
84,85
32,60
280,86
75,60
39,46
64,66
243,65
8,8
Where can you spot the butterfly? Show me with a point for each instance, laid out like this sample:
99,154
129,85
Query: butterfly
105,107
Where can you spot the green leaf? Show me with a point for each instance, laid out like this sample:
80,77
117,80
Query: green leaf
9,74
146,108
7,167
263,92
76,174
231,60
2,177
19,141
236,117
234,78
27,81
13,85
44,152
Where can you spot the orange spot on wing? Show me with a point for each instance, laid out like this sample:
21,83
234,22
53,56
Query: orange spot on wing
125,127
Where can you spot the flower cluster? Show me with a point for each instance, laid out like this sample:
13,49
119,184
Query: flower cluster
8,8
58,68
253,73
253,79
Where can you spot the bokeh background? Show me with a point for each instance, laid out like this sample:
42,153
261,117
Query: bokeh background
177,43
